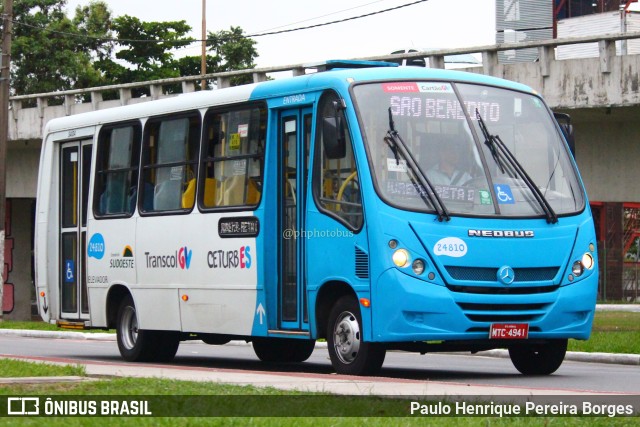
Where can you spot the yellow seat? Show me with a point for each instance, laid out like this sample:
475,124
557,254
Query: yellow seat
253,194
210,187
189,195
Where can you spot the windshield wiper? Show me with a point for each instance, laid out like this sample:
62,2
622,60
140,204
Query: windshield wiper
397,145
506,161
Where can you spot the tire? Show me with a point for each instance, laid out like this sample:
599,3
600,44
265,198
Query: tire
349,354
167,343
538,359
137,345
283,350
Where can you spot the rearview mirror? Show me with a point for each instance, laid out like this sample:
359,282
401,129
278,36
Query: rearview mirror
334,135
564,121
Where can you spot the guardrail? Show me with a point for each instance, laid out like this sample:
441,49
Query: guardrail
158,88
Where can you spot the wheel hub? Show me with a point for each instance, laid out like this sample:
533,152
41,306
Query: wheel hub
129,333
347,337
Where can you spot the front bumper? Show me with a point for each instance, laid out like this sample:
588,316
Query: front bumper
407,309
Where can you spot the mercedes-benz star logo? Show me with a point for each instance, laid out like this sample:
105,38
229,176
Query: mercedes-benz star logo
506,275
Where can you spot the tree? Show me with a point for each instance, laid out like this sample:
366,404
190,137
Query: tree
232,51
52,52
146,50
157,60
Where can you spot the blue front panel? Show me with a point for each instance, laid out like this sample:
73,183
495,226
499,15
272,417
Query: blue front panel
460,293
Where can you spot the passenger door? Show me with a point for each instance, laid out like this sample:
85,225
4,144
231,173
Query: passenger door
75,173
294,141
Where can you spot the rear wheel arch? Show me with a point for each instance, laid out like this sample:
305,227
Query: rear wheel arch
115,296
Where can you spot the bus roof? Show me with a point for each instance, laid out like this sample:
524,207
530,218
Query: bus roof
336,78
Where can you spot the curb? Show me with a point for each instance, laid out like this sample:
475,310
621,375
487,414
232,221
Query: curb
98,336
578,356
575,356
635,308
44,380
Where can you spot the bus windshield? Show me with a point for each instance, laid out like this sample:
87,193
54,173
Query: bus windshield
485,151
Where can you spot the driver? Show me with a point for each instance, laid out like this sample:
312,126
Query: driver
448,171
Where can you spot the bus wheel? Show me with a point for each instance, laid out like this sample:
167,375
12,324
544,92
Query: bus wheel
166,345
283,350
349,354
538,359
135,345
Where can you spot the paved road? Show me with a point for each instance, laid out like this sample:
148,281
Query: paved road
402,373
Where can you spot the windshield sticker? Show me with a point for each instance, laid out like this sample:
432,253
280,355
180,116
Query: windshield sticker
243,130
504,194
435,88
450,246
239,167
234,142
396,166
485,197
400,87
175,173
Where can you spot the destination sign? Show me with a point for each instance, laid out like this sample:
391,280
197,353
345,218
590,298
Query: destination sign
245,226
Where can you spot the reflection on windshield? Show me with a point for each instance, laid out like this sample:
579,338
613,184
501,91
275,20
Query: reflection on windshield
438,124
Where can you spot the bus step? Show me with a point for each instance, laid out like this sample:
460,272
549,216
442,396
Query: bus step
65,324
288,332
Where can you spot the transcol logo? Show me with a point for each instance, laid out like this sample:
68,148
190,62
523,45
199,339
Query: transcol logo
184,258
179,259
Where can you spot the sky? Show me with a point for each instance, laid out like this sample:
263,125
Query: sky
432,24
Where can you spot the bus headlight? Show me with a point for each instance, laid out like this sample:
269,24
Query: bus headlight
577,269
401,258
418,266
587,261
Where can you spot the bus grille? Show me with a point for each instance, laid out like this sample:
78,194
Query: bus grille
503,290
362,264
481,274
478,312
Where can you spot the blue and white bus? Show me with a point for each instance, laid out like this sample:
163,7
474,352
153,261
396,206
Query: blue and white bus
373,206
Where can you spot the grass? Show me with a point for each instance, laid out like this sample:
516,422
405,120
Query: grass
18,369
613,332
32,326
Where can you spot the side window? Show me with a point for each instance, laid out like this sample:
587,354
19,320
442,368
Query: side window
336,185
117,170
169,164
233,157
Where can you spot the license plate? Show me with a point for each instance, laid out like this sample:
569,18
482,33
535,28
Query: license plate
509,331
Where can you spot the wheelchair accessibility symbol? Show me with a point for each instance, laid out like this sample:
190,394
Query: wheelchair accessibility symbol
504,194
69,271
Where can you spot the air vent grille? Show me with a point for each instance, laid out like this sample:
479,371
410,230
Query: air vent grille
362,264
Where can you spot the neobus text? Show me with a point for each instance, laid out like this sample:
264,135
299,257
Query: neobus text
501,233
